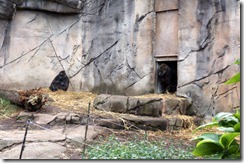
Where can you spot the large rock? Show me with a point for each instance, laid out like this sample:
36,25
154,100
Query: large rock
111,103
8,138
44,144
175,106
124,104
145,106
146,123
76,134
37,150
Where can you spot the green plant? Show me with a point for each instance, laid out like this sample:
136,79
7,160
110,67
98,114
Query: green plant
236,78
221,146
138,149
224,145
6,108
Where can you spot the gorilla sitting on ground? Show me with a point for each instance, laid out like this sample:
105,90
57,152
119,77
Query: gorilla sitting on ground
167,78
61,81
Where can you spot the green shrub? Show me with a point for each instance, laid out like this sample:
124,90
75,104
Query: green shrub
222,146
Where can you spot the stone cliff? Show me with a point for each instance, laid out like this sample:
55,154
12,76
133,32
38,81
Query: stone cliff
108,46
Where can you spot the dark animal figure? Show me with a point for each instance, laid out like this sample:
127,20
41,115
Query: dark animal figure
61,81
168,78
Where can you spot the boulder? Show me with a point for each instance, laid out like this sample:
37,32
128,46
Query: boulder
145,106
124,104
43,119
114,103
175,106
110,123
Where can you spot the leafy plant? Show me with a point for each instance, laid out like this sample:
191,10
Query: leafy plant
6,108
221,146
236,78
138,149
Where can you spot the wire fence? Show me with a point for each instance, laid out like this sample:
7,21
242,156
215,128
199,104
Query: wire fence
84,144
123,123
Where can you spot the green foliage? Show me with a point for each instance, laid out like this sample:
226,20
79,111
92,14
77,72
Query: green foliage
236,78
225,145
6,108
140,149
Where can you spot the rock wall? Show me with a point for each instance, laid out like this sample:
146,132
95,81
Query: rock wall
209,44
108,46
117,48
106,49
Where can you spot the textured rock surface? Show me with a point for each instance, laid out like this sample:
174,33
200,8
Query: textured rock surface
8,7
124,104
38,150
209,43
44,119
153,107
108,46
44,144
175,106
98,50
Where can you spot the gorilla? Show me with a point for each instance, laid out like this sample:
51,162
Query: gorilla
167,77
61,81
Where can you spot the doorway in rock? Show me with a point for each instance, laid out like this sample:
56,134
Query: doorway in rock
166,76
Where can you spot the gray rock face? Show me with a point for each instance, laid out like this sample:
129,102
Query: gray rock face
58,6
110,63
209,44
7,9
109,47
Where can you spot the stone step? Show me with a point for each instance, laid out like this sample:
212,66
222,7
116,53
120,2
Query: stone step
135,122
112,120
154,105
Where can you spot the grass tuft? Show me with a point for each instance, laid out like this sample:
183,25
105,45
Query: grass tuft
7,109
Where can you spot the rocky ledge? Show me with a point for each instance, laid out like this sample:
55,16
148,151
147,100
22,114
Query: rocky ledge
144,106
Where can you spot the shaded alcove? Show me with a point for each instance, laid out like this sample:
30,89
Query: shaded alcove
166,80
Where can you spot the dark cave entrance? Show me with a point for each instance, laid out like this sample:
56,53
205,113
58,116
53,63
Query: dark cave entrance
166,76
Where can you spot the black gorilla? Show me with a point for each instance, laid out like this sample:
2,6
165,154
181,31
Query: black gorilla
168,78
61,81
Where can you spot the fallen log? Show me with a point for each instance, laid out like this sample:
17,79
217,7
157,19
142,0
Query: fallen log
31,100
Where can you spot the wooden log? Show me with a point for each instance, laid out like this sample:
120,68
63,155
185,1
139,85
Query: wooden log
31,100
11,95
